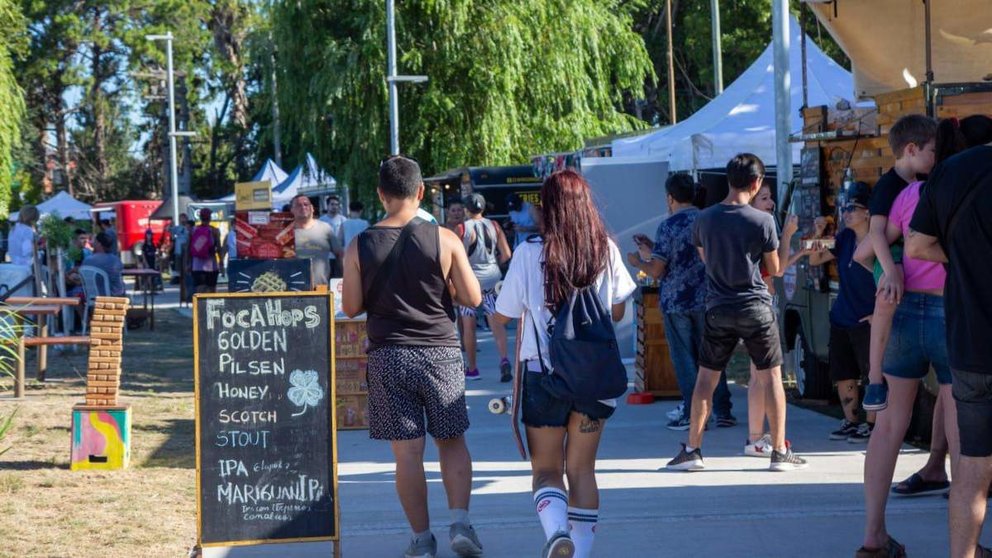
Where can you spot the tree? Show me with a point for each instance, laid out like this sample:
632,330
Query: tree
12,28
508,80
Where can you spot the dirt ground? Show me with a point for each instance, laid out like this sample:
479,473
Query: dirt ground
46,510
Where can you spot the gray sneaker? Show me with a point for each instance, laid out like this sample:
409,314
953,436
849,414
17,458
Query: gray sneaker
560,545
423,549
464,541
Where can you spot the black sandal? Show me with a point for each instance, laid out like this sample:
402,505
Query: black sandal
892,549
916,486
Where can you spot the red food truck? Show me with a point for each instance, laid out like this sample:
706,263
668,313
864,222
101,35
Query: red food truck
131,222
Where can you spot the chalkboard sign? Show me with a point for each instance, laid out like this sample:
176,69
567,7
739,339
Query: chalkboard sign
266,448
265,276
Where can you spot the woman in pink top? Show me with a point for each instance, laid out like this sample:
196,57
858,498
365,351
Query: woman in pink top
918,340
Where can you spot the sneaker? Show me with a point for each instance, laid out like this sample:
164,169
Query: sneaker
762,447
862,435
505,371
787,461
472,375
464,541
680,424
677,412
846,430
423,549
726,421
686,461
876,397
560,545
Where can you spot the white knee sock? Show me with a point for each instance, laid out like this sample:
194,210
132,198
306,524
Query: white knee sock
583,530
552,510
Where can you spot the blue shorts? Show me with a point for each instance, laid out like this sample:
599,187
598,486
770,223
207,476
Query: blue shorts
918,340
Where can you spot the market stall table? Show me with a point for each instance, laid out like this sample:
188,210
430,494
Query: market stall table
144,280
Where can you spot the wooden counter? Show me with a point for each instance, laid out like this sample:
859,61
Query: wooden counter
655,373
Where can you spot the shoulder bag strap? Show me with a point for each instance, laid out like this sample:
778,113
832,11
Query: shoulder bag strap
385,270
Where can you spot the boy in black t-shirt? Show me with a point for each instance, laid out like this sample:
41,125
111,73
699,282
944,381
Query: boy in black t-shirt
912,139
733,239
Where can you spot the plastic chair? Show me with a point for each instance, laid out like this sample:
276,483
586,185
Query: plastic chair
96,283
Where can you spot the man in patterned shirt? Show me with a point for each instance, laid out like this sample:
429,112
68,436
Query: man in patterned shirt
673,259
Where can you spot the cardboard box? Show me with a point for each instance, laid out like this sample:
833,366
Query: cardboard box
253,195
350,339
261,235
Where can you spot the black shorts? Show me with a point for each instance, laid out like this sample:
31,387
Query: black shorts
205,278
540,408
973,399
408,384
848,353
754,323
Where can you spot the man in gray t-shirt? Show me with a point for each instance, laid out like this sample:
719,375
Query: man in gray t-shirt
734,239
315,239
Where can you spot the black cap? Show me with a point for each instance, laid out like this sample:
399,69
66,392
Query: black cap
475,203
858,193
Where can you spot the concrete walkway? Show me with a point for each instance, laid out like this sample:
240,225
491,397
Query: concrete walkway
735,508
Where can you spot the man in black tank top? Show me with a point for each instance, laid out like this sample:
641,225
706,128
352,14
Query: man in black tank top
414,359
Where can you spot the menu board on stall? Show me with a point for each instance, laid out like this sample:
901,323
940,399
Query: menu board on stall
261,235
266,448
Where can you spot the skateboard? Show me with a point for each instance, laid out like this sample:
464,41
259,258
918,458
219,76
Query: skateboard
504,404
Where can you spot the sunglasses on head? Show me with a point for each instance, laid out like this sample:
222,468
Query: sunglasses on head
851,207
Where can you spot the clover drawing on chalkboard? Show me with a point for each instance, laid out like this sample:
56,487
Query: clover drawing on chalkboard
305,391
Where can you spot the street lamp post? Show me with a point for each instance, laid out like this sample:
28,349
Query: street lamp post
173,172
392,79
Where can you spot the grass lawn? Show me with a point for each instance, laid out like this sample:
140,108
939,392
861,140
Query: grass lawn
146,510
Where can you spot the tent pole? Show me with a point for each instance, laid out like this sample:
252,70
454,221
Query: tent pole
717,49
783,86
394,107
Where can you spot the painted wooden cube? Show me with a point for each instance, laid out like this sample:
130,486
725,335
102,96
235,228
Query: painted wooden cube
101,437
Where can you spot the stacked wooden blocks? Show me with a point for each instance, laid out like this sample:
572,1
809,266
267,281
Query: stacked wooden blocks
106,333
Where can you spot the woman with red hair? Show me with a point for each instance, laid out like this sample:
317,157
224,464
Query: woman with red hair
572,253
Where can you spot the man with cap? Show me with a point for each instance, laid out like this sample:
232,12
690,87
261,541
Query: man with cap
850,314
487,248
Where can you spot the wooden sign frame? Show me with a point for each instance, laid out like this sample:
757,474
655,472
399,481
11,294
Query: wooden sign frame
332,410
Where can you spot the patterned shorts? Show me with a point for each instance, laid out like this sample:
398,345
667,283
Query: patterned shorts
408,383
488,305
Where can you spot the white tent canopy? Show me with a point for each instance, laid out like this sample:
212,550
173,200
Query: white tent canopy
269,171
742,119
304,177
63,204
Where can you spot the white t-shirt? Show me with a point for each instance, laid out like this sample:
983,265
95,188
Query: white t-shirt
523,289
20,245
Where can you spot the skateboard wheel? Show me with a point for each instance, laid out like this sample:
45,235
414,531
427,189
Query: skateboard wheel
499,405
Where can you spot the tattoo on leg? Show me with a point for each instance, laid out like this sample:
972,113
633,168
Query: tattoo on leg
846,401
588,426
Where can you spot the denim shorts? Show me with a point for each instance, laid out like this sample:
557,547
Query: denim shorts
918,339
540,408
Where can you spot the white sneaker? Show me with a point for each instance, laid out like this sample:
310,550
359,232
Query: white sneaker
676,413
762,447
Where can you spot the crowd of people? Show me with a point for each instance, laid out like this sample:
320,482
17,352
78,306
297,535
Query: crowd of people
909,259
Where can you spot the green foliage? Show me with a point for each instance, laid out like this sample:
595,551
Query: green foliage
9,329
508,80
11,97
56,232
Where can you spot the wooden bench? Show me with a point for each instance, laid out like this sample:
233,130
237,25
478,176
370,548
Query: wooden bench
24,342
